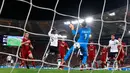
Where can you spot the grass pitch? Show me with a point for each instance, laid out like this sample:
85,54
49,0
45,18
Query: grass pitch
7,70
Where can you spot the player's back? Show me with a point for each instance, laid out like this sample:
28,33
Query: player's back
84,34
54,40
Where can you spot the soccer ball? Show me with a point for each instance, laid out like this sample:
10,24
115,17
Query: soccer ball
76,45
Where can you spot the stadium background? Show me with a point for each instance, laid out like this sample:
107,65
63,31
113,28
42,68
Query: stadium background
42,27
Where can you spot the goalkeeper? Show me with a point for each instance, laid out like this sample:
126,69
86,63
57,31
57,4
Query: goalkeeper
84,33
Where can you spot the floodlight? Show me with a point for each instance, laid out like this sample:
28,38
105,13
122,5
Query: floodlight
67,23
89,20
129,31
74,22
81,20
112,14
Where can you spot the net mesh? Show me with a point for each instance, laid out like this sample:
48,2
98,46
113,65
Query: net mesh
52,25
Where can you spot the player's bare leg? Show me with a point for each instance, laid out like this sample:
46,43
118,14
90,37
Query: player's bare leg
121,62
27,64
81,58
103,64
82,66
58,60
96,64
115,64
31,57
22,63
61,67
89,63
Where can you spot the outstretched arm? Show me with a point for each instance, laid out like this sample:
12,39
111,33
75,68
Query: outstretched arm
25,42
49,33
109,45
72,28
67,46
60,36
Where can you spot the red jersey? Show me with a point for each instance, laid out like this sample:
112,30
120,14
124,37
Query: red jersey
25,47
104,54
91,50
121,48
62,46
25,50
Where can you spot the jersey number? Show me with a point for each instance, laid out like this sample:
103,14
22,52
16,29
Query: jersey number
85,36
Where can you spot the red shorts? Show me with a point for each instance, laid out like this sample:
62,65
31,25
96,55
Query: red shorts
62,55
103,58
25,54
91,57
121,56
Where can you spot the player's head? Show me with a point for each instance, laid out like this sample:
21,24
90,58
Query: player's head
104,47
91,43
62,40
84,24
113,36
54,31
26,35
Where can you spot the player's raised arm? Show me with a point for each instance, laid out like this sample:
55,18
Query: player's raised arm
72,28
49,33
109,45
60,36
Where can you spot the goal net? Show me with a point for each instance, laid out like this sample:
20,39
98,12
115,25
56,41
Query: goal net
101,27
